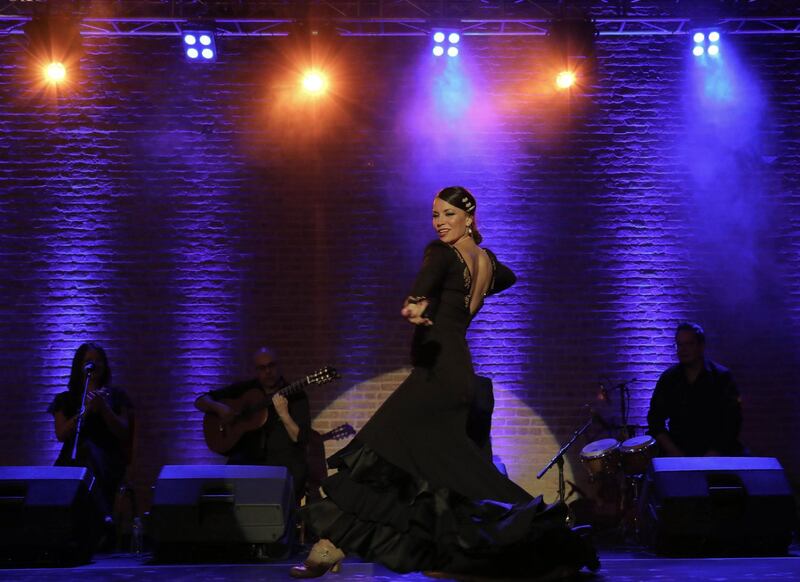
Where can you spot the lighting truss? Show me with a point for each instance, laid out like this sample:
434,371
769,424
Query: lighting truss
228,27
398,18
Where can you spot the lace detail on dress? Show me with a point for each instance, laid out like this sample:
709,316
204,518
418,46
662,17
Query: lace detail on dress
467,286
467,279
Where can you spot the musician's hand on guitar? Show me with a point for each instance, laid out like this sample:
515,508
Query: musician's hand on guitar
225,413
281,405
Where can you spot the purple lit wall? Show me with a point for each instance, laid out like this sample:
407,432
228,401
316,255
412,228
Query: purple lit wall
183,215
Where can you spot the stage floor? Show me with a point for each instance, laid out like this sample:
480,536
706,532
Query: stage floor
618,565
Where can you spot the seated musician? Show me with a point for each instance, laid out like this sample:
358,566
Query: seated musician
105,433
281,440
695,409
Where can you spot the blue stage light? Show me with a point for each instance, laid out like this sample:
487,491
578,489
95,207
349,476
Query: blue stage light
446,41
197,43
706,42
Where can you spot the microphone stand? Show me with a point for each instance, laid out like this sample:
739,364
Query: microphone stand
558,459
624,400
80,414
624,397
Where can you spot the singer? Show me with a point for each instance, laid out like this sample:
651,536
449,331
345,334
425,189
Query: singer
105,439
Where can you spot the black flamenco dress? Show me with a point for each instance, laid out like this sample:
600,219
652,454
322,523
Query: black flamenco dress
411,490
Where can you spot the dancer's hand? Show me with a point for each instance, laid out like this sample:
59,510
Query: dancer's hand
413,313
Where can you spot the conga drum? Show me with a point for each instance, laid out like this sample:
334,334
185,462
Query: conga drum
601,456
636,453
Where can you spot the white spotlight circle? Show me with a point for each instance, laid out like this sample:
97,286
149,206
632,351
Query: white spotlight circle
189,39
438,51
713,50
698,51
438,37
699,37
713,36
192,53
452,52
208,53
454,38
205,40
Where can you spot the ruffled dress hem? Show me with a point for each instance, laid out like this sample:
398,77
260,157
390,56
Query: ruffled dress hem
385,514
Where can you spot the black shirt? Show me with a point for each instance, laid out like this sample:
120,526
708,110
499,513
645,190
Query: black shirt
270,445
699,417
93,429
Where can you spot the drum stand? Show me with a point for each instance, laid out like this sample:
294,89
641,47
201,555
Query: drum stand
630,522
558,459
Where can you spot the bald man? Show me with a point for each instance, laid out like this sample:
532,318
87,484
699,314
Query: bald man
282,440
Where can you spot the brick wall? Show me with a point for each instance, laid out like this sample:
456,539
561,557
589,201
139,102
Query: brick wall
182,215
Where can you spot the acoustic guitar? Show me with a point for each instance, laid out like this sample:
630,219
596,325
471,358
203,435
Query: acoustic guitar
335,434
251,411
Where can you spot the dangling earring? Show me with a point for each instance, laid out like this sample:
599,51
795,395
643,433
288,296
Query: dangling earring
469,231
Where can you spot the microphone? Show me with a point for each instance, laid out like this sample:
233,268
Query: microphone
89,367
597,417
603,394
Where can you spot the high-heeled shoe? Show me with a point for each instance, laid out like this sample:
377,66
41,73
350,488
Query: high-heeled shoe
322,558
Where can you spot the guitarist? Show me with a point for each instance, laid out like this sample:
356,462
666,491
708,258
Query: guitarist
281,441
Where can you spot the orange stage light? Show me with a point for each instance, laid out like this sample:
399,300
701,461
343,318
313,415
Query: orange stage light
314,82
54,72
565,79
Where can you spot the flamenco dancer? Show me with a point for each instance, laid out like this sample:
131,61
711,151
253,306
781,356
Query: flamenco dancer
412,491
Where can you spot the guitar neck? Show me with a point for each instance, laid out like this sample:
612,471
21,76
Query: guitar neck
295,386
320,377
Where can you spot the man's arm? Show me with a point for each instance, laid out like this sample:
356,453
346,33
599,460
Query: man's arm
296,421
657,420
730,424
668,446
205,403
